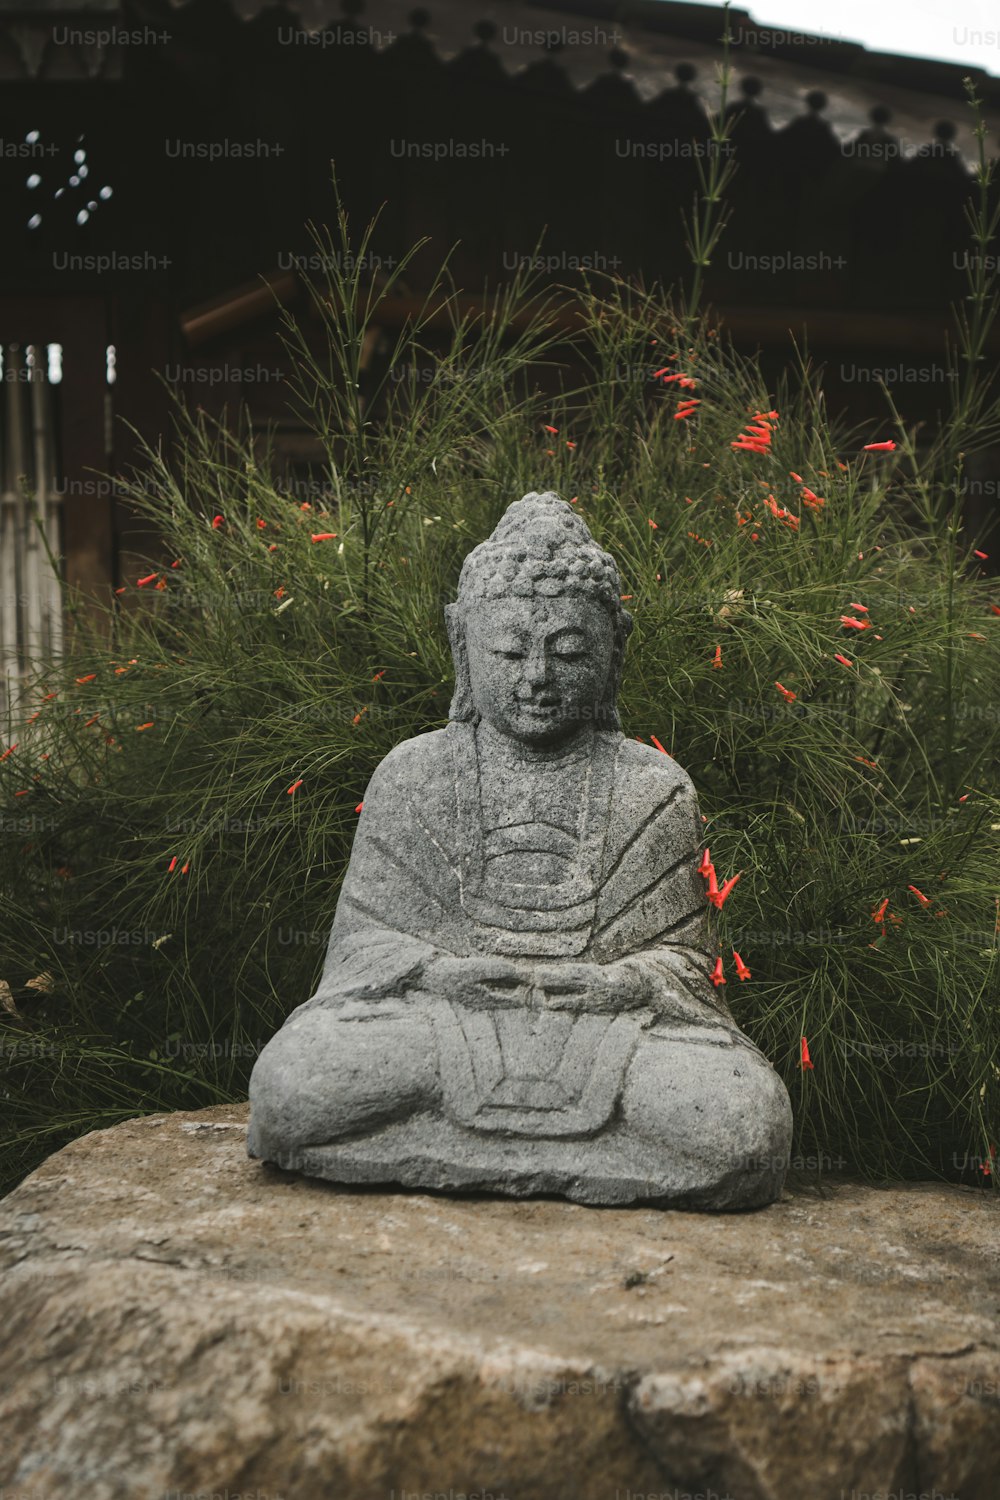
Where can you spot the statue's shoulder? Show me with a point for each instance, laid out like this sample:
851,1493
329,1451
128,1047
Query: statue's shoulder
414,763
648,770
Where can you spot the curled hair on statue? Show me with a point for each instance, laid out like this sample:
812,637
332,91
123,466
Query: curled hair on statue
540,548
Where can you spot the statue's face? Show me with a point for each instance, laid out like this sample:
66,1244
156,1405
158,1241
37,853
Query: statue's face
538,667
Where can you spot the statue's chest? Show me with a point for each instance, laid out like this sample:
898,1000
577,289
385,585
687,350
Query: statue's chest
530,840
533,823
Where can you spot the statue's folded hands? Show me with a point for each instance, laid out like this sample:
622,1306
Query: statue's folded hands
486,983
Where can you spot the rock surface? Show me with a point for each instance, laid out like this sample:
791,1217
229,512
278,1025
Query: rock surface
179,1321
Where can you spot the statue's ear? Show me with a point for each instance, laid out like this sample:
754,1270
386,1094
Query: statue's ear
462,706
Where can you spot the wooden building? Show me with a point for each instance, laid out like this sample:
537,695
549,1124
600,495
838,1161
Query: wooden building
158,158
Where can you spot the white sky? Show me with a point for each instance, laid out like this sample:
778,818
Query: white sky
959,31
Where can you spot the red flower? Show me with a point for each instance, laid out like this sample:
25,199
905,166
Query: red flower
983,555
659,746
718,897
322,536
717,975
862,609
141,582
878,912
845,661
742,971
171,866
879,448
9,751
547,428
89,677
140,727
806,1061
924,900
717,659
705,865
786,693
850,623
218,521
294,787
359,807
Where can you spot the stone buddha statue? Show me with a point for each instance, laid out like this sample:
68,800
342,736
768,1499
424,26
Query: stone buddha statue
516,993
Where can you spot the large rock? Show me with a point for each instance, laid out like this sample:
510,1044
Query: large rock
178,1321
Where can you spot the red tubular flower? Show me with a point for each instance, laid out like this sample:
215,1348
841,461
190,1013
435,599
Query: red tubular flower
878,912
89,677
796,477
218,521
141,582
879,448
712,890
717,659
140,727
547,428
924,900
9,751
983,555
742,972
850,623
845,661
786,693
806,1060
359,807
323,536
658,745
717,975
172,865
294,787
718,897
185,867
704,866
862,609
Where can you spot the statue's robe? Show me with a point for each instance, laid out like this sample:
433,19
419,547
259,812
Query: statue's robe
427,878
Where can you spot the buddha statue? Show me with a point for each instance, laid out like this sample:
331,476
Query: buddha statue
516,995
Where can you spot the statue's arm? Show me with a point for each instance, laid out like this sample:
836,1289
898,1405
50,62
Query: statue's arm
655,935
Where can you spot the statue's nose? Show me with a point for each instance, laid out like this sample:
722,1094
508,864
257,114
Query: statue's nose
536,669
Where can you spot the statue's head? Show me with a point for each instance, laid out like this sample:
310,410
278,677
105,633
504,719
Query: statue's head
538,632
